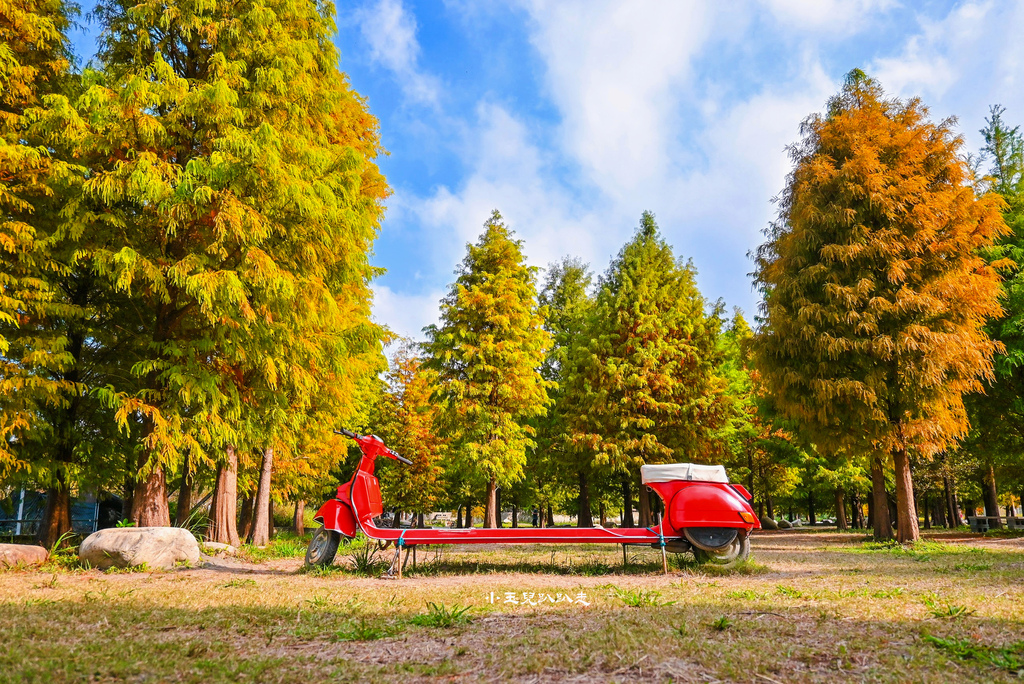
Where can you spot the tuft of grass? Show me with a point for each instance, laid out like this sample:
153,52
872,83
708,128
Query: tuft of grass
947,611
788,592
439,615
238,584
722,623
1009,658
747,594
636,598
367,561
127,570
283,546
361,631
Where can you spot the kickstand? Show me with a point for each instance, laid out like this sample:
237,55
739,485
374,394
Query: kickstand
390,572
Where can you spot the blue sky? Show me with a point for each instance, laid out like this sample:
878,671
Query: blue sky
572,117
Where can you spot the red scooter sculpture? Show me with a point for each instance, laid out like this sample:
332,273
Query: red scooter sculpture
704,514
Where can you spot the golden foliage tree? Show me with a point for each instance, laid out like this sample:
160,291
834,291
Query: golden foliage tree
875,297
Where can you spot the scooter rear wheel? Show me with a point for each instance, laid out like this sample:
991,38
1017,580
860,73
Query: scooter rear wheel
323,547
730,556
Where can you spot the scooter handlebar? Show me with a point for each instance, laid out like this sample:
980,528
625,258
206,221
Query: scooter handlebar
400,458
347,433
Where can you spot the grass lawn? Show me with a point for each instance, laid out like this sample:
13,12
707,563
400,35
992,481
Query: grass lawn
810,607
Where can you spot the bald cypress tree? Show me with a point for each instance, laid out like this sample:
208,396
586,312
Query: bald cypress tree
644,387
238,167
875,296
487,352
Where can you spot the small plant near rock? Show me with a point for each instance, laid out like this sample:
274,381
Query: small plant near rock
637,598
439,615
128,569
721,624
125,523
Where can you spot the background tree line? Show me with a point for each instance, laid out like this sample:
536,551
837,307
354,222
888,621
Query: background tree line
185,305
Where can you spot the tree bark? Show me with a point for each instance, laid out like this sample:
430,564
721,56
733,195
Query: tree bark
603,513
489,504
56,520
246,516
644,501
299,518
810,508
515,516
924,509
458,516
627,503
185,493
497,507
261,512
907,530
223,508
841,522
881,525
551,516
419,521
770,504
583,515
991,497
951,503
149,500
469,515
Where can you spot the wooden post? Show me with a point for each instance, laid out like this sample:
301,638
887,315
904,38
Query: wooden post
625,561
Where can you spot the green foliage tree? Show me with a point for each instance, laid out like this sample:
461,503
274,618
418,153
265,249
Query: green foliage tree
875,298
487,352
557,460
240,175
644,389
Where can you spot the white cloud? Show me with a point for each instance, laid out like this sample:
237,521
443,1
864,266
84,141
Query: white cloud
405,314
832,16
390,32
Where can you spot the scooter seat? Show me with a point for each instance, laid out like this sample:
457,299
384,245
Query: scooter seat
674,472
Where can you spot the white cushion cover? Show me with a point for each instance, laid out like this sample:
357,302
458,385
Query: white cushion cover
683,471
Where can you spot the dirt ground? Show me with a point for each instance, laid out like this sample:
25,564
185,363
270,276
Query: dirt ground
810,607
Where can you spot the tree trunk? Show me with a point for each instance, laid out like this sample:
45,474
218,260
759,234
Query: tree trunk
881,525
458,517
469,515
497,507
223,508
602,513
127,497
551,516
490,503
185,493
644,503
991,498
583,516
541,518
56,520
627,503
770,504
841,522
906,512
299,518
951,503
419,521
515,516
810,508
262,523
246,516
927,513
149,500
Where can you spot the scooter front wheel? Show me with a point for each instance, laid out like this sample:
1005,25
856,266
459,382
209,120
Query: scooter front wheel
730,556
323,547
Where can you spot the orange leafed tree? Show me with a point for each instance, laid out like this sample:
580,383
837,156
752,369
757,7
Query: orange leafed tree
405,421
875,296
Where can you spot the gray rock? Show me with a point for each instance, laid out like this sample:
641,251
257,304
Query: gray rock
22,554
768,524
218,549
156,547
784,524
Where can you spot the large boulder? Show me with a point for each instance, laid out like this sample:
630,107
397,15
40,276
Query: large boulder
768,524
784,524
156,547
12,555
218,549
